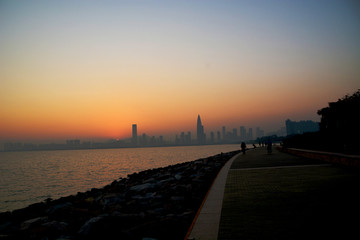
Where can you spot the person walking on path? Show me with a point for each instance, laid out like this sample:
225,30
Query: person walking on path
243,147
269,147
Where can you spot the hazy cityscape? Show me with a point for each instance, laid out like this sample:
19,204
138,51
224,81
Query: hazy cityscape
179,119
224,135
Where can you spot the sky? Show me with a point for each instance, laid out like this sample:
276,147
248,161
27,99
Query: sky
86,69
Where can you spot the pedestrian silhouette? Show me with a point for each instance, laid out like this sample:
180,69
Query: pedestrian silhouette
269,147
243,147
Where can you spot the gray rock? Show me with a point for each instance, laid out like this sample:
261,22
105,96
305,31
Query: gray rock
177,198
32,222
147,196
142,187
64,238
167,180
85,229
150,180
59,207
112,199
55,226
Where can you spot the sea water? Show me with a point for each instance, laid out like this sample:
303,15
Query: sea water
33,176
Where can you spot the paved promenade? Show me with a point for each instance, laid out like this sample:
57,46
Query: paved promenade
280,196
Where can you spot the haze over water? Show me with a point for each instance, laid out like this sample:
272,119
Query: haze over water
90,69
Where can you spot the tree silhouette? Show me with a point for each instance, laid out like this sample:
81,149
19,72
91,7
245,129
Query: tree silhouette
340,122
339,128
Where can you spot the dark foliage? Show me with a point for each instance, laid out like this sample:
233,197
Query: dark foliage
339,128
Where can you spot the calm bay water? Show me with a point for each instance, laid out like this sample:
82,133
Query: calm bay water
30,177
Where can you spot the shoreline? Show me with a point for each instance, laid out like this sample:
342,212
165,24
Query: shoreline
159,203
105,147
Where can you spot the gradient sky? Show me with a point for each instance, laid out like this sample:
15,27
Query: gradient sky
83,69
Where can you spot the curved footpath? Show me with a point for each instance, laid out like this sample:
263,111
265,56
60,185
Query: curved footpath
280,196
206,224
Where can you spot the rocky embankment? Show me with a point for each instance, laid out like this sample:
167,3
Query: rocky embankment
156,204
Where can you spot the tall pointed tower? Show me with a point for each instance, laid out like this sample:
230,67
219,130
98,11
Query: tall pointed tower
134,134
200,131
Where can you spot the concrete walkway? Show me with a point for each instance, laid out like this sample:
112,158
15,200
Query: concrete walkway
208,221
280,196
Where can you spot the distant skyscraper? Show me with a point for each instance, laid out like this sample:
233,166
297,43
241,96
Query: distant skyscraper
243,133
250,137
259,132
200,131
188,138
234,133
144,139
134,134
182,138
224,132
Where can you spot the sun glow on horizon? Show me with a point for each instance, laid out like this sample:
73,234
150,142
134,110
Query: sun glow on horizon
86,70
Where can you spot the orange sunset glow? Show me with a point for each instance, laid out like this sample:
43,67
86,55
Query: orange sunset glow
89,69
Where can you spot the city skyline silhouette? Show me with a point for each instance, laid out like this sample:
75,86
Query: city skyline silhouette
223,135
